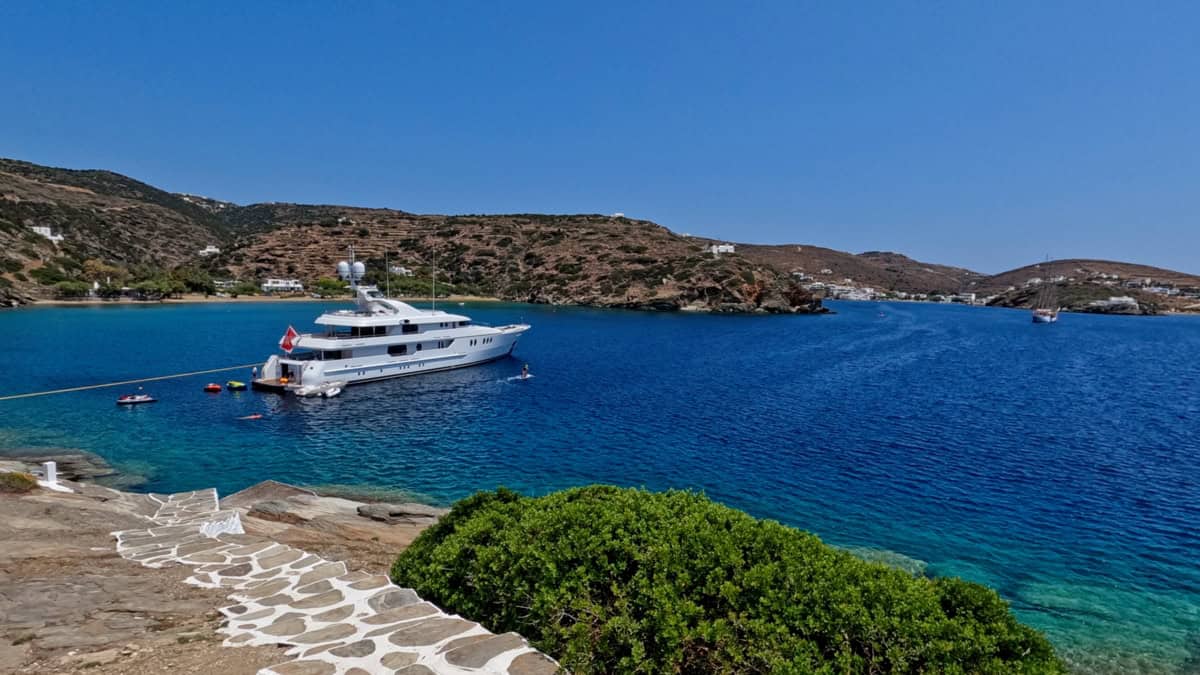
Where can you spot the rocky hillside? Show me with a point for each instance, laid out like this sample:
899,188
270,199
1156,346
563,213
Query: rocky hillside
878,269
1078,297
1082,270
101,215
576,259
108,220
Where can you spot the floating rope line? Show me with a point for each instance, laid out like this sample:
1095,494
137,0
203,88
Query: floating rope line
124,382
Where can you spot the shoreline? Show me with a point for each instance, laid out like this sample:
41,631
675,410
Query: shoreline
197,298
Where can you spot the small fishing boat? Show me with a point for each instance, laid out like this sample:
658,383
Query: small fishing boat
1045,315
235,385
1045,304
135,399
212,388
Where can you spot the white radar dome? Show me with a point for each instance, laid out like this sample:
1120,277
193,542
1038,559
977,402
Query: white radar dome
359,270
343,269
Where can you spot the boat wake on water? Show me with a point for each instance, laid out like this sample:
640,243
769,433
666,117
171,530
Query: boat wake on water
517,378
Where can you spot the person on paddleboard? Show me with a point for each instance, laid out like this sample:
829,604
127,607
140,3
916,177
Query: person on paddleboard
525,372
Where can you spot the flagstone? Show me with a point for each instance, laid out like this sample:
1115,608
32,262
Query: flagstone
335,614
429,632
476,654
393,598
331,632
355,649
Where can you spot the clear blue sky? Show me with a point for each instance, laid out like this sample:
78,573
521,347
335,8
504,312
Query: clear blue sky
985,134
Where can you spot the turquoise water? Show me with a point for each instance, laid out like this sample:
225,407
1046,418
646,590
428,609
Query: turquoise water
1059,464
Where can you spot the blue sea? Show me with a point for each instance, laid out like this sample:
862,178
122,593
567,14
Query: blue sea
1058,464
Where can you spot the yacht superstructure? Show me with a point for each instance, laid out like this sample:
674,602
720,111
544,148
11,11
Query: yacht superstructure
383,338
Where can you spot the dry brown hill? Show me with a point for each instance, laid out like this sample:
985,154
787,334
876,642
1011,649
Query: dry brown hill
1081,270
570,259
877,269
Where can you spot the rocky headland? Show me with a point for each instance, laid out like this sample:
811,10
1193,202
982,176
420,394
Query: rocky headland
72,602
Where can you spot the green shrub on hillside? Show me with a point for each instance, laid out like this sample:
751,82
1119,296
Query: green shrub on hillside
620,580
71,289
17,482
48,274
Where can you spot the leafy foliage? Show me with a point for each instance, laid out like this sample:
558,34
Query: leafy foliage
17,482
329,287
622,580
71,289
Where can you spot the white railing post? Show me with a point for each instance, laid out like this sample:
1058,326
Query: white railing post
50,472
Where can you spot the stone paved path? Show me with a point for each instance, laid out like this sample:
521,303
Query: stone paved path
331,620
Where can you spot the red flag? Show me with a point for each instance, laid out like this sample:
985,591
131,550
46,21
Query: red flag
288,341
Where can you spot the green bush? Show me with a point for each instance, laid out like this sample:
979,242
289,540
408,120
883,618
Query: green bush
48,274
71,289
17,482
328,287
621,580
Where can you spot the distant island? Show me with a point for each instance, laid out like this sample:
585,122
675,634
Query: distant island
97,234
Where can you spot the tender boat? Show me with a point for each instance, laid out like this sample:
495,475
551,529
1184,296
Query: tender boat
382,338
235,385
212,388
135,399
328,389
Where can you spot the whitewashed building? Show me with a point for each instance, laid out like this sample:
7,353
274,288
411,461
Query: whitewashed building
210,250
282,286
48,233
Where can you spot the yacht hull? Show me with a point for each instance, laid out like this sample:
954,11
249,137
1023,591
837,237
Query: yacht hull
382,366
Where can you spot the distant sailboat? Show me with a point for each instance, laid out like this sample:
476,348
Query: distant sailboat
1045,305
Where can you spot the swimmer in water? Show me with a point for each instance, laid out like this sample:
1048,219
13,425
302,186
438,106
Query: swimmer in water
525,372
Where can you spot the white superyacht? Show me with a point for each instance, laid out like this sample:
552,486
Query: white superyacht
382,338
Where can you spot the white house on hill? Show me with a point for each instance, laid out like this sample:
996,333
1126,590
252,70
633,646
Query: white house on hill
282,286
46,232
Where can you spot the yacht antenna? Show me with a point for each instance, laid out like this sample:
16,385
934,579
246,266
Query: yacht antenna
353,283
387,274
433,293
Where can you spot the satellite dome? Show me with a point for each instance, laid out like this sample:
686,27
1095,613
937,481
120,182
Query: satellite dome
359,270
343,269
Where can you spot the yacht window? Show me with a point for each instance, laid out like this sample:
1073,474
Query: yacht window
418,346
334,355
397,350
409,328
